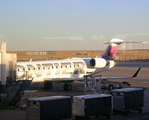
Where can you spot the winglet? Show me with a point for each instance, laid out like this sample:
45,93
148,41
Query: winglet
136,73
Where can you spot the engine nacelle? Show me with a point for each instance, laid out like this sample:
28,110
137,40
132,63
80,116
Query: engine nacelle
98,62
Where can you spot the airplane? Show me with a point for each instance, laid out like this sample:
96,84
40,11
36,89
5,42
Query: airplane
69,70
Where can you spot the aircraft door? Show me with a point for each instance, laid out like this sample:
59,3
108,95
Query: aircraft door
52,70
21,72
57,68
44,71
80,67
31,70
38,72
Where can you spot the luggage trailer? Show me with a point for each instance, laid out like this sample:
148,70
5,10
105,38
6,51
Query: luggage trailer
127,99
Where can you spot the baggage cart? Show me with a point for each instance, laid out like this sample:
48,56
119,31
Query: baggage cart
127,99
49,108
92,105
27,94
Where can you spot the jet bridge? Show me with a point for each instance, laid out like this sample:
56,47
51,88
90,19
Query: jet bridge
7,65
10,89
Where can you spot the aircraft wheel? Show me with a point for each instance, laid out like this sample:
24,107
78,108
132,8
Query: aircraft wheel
48,85
67,87
111,87
45,85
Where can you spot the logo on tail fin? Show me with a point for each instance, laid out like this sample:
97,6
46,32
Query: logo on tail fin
112,49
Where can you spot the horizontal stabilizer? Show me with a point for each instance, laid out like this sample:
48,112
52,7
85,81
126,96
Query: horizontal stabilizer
120,41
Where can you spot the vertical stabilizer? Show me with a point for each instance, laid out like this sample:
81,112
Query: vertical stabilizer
112,48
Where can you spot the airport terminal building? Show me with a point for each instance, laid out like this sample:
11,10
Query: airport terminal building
122,55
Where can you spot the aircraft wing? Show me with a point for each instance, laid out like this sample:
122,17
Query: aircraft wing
134,75
89,77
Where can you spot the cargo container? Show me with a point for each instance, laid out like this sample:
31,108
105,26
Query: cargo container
128,98
27,94
49,108
90,105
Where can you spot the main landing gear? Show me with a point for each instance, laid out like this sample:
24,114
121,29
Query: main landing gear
48,85
67,86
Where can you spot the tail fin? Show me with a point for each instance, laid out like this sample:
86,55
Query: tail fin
112,48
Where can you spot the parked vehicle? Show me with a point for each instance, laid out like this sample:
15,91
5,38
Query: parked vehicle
105,84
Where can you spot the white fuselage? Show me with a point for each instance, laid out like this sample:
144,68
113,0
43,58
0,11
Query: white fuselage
56,69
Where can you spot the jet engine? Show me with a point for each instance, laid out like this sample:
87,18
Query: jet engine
98,62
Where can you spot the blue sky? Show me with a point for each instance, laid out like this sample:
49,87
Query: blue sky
72,24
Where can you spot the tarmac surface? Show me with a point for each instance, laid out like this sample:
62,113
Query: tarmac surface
122,69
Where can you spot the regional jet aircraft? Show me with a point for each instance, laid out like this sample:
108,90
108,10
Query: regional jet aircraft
68,70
